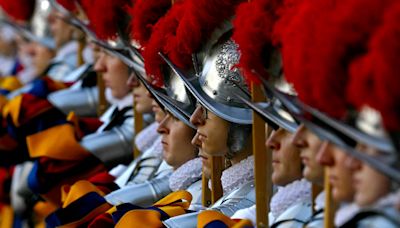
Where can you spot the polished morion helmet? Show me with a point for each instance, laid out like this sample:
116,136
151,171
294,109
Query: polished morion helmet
40,26
217,87
219,82
34,27
261,60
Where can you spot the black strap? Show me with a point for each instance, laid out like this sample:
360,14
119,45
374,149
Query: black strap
118,117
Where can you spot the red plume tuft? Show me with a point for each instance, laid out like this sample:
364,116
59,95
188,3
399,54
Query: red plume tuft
294,29
162,32
201,18
254,25
105,16
353,23
186,27
19,10
321,44
387,72
382,72
145,15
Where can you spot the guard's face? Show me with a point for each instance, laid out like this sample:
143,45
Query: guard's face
141,100
340,175
369,185
206,159
158,112
115,74
286,160
7,47
212,132
61,31
309,144
41,57
211,137
176,141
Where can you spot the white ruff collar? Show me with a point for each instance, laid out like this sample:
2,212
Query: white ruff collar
390,200
238,175
146,137
186,175
296,192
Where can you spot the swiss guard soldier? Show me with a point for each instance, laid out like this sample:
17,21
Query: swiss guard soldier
329,76
109,146
223,126
375,127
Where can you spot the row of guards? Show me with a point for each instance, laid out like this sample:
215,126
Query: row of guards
172,34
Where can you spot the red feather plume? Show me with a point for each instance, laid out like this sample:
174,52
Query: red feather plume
253,27
201,18
145,15
375,80
186,27
386,57
294,31
19,10
320,45
346,41
162,32
105,16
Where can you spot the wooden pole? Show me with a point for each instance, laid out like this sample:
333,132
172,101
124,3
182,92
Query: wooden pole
81,47
315,190
206,192
102,98
216,186
262,162
329,210
138,126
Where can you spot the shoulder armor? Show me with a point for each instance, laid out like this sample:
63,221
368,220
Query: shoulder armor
142,168
240,198
143,195
113,146
83,102
187,220
78,73
295,216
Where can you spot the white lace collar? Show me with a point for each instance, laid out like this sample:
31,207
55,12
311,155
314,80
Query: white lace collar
186,175
238,175
120,103
390,200
145,138
296,192
157,147
320,201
